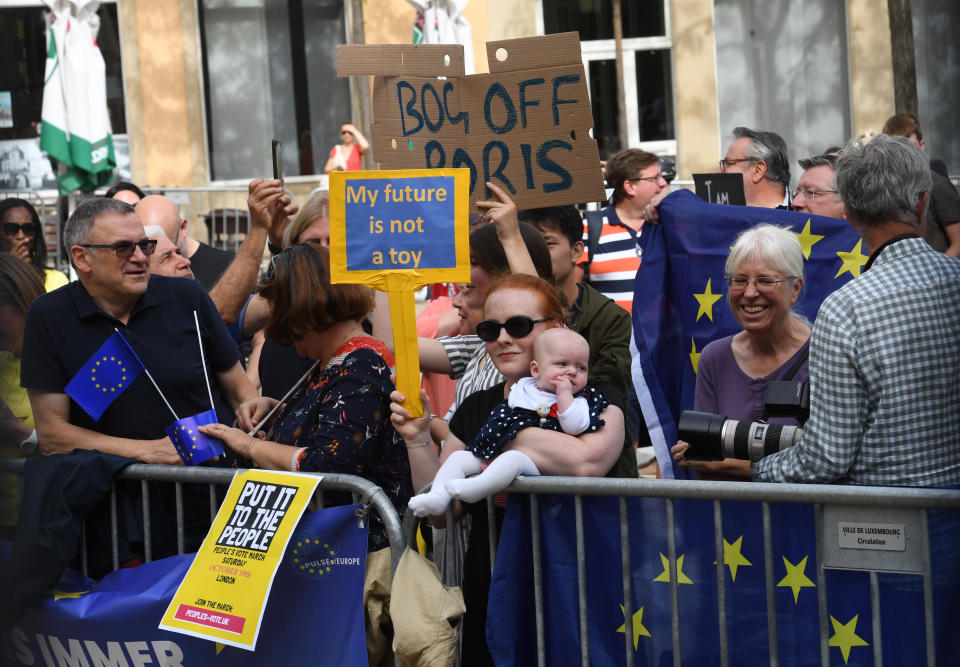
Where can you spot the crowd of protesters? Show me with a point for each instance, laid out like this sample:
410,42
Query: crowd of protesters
882,357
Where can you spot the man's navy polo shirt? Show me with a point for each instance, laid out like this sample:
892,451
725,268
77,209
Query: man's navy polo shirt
65,327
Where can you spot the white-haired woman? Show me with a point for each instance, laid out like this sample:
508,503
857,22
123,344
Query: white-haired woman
764,274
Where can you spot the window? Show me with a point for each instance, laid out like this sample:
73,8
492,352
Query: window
647,68
269,71
23,51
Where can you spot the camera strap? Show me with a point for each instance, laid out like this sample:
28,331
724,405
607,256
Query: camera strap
801,360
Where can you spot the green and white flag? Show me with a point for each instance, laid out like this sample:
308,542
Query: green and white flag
75,128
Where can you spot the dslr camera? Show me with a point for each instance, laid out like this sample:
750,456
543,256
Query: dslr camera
713,437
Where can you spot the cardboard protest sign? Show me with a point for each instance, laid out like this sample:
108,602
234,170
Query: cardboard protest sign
525,125
225,591
397,231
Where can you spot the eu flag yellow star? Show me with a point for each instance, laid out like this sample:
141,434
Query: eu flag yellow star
694,355
60,595
853,261
732,557
706,300
665,575
845,636
220,647
638,628
796,577
808,240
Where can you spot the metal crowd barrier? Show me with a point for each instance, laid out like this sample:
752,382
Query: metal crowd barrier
830,501
363,491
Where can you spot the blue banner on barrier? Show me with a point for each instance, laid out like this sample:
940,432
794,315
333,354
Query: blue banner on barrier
314,616
511,633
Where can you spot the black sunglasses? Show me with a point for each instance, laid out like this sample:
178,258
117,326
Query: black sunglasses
14,228
125,249
517,326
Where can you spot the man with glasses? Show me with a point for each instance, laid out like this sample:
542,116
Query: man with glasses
156,315
612,260
885,349
269,207
613,257
816,191
761,157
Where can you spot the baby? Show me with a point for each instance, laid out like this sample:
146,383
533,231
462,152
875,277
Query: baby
556,397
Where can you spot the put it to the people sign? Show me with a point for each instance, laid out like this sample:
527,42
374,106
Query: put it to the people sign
397,231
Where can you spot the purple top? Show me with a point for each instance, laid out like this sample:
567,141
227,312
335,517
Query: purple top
723,388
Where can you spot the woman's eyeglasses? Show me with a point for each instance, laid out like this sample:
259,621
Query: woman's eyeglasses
763,283
125,249
14,228
517,326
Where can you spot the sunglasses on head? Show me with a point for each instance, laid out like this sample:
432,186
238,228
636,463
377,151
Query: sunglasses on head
517,326
14,228
125,249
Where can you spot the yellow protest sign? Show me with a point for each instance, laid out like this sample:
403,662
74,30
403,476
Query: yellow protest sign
225,591
397,231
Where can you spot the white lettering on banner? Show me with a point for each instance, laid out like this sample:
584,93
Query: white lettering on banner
57,651
877,536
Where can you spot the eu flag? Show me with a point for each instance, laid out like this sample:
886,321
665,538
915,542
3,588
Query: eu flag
679,306
193,446
755,629
105,375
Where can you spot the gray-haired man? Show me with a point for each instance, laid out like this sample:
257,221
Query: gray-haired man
885,349
762,159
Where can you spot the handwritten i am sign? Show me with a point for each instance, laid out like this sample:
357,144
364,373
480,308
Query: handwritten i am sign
525,125
397,231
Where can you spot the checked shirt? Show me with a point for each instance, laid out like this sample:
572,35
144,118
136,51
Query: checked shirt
884,378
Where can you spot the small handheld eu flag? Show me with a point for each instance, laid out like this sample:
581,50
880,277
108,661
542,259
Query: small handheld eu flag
105,375
193,446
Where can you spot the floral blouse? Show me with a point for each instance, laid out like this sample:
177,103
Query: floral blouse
341,415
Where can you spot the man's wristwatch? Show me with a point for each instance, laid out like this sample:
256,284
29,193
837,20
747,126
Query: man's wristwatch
29,446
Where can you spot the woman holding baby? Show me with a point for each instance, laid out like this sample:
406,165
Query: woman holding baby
518,308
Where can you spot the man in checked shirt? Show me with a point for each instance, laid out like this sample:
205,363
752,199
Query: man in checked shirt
885,348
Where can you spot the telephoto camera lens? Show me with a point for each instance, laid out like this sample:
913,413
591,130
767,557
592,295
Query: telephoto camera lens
713,437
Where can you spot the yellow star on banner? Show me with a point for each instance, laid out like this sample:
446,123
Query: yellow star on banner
796,577
694,355
638,628
60,595
845,636
219,646
853,261
706,301
665,575
732,557
808,240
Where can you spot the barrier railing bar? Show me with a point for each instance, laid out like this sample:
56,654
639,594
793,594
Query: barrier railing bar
492,532
928,614
212,494
757,491
627,587
821,587
581,582
147,523
181,532
319,497
674,581
875,620
114,530
537,580
721,584
771,598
